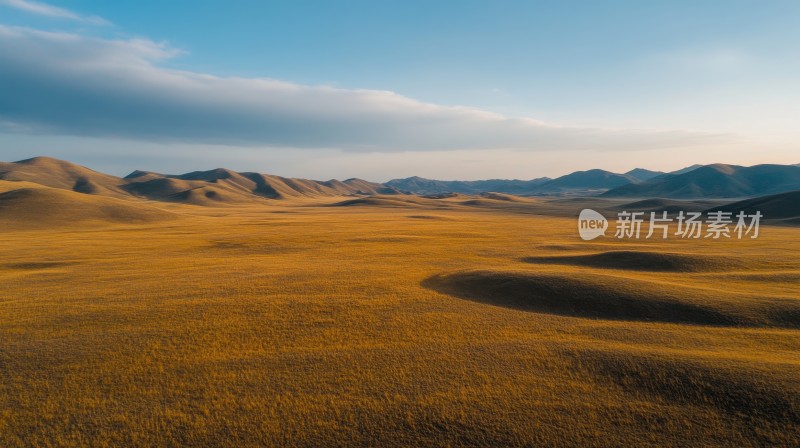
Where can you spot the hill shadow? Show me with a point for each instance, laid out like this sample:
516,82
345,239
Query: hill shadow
601,298
642,261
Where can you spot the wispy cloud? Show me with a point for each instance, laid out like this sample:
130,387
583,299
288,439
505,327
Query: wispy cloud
68,84
712,59
52,11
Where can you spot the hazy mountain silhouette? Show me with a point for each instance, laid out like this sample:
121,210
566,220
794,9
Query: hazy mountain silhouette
686,170
586,182
642,174
590,182
716,181
419,185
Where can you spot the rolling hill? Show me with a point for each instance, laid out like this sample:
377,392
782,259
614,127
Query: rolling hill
37,207
222,186
213,187
248,186
64,175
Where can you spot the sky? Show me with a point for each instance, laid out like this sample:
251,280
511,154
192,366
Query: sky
388,89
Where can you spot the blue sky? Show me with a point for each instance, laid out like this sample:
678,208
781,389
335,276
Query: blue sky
379,89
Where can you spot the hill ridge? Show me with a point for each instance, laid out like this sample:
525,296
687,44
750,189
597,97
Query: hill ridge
221,185
216,186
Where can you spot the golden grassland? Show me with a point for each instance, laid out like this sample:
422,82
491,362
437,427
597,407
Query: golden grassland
312,325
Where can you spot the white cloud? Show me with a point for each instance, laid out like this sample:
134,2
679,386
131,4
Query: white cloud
68,84
44,9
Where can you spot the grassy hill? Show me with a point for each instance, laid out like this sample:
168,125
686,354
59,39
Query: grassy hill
62,174
213,187
32,206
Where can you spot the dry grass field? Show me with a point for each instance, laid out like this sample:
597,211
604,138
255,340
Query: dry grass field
391,323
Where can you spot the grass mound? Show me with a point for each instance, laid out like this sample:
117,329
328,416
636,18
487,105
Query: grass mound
612,298
643,261
382,201
505,197
431,217
51,208
35,265
571,296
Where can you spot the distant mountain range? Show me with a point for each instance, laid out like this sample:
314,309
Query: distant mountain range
694,182
585,182
220,185
716,181
580,183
